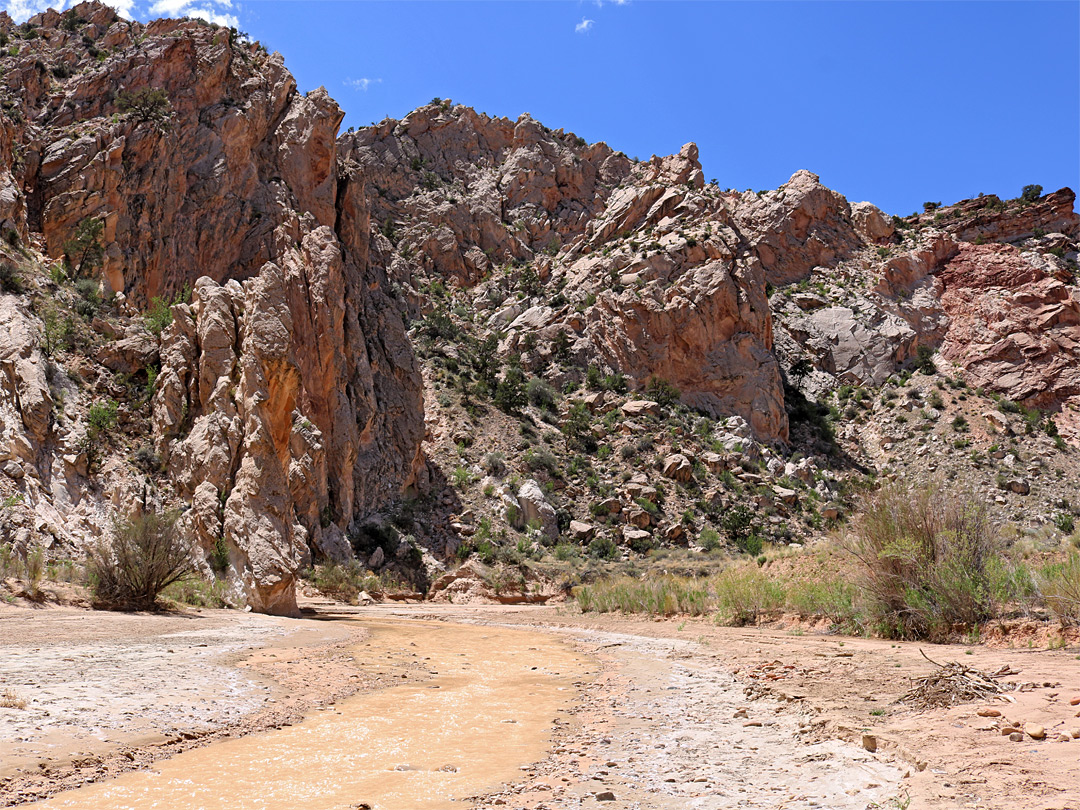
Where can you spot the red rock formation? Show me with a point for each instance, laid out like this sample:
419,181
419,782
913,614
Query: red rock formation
1014,323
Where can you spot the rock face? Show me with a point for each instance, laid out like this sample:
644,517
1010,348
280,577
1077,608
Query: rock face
288,403
1014,323
242,152
654,277
799,226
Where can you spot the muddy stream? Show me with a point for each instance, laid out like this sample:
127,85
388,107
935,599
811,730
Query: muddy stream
487,708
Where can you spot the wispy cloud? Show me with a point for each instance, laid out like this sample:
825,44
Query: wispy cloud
585,26
361,84
215,11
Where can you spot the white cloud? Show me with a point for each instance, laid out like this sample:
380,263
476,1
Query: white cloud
584,27
209,10
228,20
22,10
362,84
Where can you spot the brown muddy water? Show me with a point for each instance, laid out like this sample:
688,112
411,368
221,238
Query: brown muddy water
487,708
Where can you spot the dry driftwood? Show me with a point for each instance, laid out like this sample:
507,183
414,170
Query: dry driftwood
954,683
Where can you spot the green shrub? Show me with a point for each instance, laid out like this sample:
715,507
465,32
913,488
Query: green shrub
89,297
198,593
927,560
510,394
603,548
743,593
541,459
101,418
1031,193
158,316
659,596
737,524
219,556
566,551
924,360
577,427
143,555
661,392
709,539
10,280
85,250
1060,587
836,600
146,105
540,394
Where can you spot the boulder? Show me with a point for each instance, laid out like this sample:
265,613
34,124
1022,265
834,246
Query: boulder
580,531
871,223
714,461
636,516
535,510
641,407
1018,485
678,467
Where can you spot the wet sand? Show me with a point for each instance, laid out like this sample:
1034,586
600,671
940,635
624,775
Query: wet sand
487,708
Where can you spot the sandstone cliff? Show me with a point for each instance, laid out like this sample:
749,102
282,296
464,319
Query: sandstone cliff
287,401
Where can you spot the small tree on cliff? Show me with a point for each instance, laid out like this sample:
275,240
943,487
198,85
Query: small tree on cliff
1031,193
84,251
146,105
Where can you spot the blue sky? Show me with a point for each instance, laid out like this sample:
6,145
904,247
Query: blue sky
896,103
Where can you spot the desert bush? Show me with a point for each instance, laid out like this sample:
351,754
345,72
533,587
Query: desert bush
158,316
662,392
737,523
541,394
510,396
836,600
565,552
603,548
461,477
35,569
927,560
146,105
709,539
743,593
1060,588
346,582
924,360
101,418
495,464
219,557
10,565
89,297
577,428
1031,193
197,592
540,458
143,556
